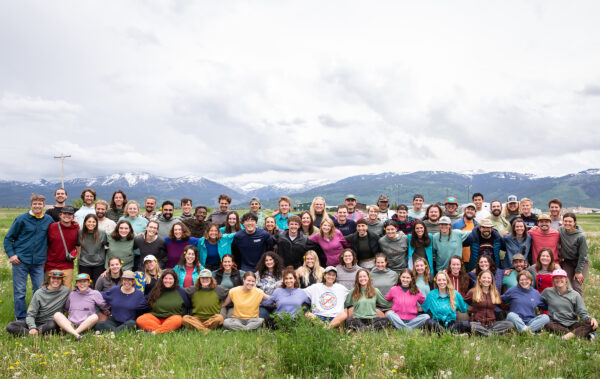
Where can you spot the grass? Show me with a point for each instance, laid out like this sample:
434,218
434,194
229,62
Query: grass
255,354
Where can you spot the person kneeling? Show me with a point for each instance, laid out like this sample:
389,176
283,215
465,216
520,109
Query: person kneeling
168,302
362,304
206,303
246,302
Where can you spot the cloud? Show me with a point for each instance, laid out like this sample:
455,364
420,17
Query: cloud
16,108
142,37
591,90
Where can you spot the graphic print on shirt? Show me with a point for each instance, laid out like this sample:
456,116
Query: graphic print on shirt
328,300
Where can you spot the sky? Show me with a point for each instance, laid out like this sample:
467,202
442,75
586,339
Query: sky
269,91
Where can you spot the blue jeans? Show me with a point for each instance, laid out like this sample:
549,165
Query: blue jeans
19,273
415,323
535,324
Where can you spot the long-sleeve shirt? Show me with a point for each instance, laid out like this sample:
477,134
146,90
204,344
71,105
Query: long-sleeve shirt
124,307
81,305
565,308
44,304
384,279
523,301
175,249
444,247
366,307
288,300
331,248
248,248
404,304
93,252
347,276
396,250
573,246
56,256
483,311
171,302
439,306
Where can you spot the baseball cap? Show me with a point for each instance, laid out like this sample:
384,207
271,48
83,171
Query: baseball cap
205,274
512,199
451,200
486,223
545,217
83,277
149,257
56,274
518,257
383,198
68,209
470,205
350,196
330,268
445,220
128,275
559,273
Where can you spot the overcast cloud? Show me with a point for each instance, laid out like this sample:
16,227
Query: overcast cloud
264,91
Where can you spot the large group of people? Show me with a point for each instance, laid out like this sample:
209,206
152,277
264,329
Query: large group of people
473,270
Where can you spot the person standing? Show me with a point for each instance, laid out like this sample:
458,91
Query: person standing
318,211
512,208
402,220
417,210
117,205
375,225
481,210
62,240
364,243
251,243
530,219
166,219
104,224
281,218
292,244
484,240
451,209
88,196
394,244
60,195
186,209
555,207
385,213
92,248
342,222
544,237
573,251
432,217
150,206
500,223
196,224
467,222
353,213
26,245
255,208
220,217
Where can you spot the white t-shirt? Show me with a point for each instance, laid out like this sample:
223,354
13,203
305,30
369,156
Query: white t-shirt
327,301
482,214
387,215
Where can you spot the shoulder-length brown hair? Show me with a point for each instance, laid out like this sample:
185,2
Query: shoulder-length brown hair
357,292
331,232
311,226
289,271
261,267
212,285
412,287
354,258
84,229
185,232
196,256
538,263
426,273
112,200
160,286
209,226
115,233
463,277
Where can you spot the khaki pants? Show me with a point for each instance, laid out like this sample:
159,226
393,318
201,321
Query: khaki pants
67,280
205,325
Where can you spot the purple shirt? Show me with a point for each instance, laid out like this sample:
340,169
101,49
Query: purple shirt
175,249
82,305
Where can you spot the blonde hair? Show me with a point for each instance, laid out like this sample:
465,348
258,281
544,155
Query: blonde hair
126,210
478,291
374,207
449,289
331,232
101,202
506,213
317,272
148,275
312,208
525,200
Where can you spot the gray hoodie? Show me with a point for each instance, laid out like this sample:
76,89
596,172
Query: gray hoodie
44,304
164,225
384,280
565,308
396,251
574,246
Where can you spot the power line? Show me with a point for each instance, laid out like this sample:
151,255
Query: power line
62,167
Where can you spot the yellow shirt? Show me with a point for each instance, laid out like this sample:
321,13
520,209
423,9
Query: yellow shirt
245,304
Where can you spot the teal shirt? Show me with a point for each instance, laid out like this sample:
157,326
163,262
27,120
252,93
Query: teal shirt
447,247
423,286
510,281
439,306
223,247
281,221
366,307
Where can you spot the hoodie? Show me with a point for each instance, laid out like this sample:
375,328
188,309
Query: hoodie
44,304
396,250
164,225
574,247
383,280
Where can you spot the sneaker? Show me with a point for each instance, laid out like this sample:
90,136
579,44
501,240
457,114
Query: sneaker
592,336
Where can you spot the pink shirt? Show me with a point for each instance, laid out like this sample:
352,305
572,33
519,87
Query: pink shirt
332,248
404,304
540,240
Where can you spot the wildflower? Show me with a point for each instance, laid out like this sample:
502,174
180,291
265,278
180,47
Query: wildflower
66,353
131,349
11,368
472,344
540,368
550,363
171,372
220,367
385,355
17,363
362,365
477,358
394,370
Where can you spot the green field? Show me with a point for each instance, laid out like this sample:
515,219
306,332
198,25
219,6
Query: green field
261,353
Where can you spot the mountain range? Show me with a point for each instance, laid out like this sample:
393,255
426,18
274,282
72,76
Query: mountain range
578,189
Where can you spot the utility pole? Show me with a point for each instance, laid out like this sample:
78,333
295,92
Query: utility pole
468,187
62,168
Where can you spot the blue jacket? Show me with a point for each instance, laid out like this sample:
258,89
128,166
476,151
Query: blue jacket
27,238
180,271
461,224
513,246
428,251
223,247
473,242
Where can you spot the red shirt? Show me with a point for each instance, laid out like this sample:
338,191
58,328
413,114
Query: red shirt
540,240
188,281
55,256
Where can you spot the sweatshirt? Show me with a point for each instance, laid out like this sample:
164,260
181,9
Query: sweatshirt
175,249
566,308
513,245
292,251
44,304
365,247
139,224
366,307
92,252
347,227
172,301
523,301
331,248
347,276
158,248
540,240
439,306
573,246
207,302
288,300
384,279
124,307
403,303
164,225
56,256
444,247
122,249
483,311
82,305
396,250
248,248
376,227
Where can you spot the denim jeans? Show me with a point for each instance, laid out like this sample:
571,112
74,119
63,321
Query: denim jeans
415,323
535,324
20,272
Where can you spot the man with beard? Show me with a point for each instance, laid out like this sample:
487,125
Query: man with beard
484,239
555,206
166,219
384,212
543,236
60,195
104,223
220,217
150,206
467,222
197,225
432,217
88,196
500,223
451,209
519,264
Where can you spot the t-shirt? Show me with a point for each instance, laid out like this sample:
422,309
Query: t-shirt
540,240
509,281
188,281
327,301
246,303
212,251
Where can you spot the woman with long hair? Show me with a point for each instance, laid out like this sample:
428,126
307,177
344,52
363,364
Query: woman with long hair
420,245
487,263
232,223
151,244
246,301
120,245
81,306
542,270
168,302
483,299
331,240
188,268
147,279
458,275
117,205
179,237
92,248
132,214
362,304
518,241
406,299
307,226
347,268
125,302
110,277
423,277
311,271
523,300
268,278
206,304
214,246
228,274
318,211
447,242
443,303
271,225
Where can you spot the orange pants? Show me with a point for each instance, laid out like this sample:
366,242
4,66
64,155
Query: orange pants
149,322
205,325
